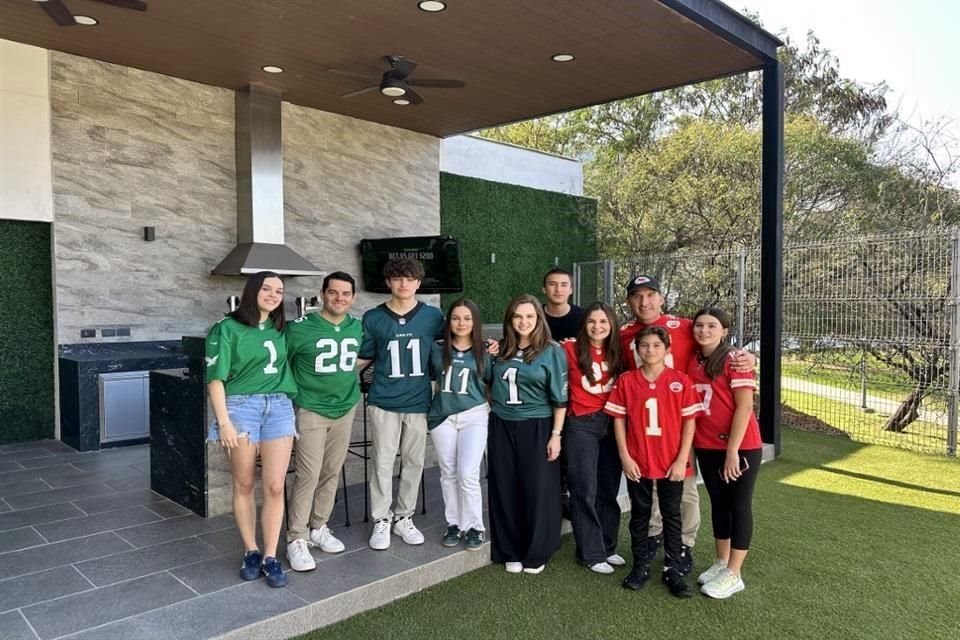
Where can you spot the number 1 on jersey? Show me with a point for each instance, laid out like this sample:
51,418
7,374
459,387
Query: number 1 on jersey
272,365
510,375
653,417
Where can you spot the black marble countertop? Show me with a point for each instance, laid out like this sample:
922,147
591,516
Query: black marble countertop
99,351
180,374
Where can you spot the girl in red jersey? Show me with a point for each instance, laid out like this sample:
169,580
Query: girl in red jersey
593,466
654,410
728,447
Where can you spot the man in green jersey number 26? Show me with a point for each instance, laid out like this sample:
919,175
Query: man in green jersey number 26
322,349
397,336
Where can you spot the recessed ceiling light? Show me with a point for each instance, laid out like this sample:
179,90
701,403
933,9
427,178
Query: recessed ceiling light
432,6
401,101
86,21
562,57
272,68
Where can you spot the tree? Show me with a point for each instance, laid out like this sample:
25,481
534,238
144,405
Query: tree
678,172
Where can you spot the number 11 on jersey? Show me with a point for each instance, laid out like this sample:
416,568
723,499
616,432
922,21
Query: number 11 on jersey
396,371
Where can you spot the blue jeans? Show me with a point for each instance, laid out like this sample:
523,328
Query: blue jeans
593,474
262,416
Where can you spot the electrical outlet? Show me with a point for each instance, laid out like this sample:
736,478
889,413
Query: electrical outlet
108,333
88,333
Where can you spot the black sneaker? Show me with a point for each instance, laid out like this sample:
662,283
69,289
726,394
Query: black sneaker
677,585
452,537
685,563
473,539
653,546
638,577
273,572
250,569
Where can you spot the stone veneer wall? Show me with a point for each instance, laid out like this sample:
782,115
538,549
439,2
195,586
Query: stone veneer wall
133,149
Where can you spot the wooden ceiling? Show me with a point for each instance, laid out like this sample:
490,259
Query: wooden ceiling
500,48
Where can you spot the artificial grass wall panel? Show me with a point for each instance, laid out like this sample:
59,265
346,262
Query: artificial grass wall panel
26,332
527,230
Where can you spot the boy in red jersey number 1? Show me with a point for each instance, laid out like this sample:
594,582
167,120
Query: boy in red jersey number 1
654,410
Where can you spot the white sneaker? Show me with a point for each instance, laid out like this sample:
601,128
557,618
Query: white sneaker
616,560
711,573
602,567
534,570
380,538
407,531
298,554
514,567
325,540
723,586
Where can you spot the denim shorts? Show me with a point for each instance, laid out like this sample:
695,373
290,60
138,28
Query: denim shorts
262,416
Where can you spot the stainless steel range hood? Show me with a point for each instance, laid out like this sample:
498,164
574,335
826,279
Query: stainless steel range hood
260,241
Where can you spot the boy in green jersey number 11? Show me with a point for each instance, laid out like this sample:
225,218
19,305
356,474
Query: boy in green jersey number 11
397,336
323,349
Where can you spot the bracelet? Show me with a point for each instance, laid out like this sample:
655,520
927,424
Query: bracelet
556,432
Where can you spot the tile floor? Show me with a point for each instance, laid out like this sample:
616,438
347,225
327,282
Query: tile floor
88,551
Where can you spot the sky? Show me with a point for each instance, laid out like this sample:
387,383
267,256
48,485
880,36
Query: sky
913,45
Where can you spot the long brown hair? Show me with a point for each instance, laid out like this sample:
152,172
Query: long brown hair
478,349
248,312
611,346
539,338
713,364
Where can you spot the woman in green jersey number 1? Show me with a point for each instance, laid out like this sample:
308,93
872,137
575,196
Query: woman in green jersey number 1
250,385
529,394
460,368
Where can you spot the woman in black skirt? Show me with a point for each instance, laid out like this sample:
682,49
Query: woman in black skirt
529,397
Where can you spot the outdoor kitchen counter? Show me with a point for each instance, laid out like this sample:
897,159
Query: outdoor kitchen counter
80,366
184,467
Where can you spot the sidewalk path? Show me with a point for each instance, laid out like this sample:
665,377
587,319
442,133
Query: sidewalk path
883,406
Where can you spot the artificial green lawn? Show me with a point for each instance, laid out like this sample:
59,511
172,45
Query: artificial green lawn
851,541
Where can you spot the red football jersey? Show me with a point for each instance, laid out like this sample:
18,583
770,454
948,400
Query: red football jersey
655,412
682,345
585,396
713,427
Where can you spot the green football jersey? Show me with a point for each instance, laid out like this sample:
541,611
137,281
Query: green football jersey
249,360
458,386
400,349
322,357
522,391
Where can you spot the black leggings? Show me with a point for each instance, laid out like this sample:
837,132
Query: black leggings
731,504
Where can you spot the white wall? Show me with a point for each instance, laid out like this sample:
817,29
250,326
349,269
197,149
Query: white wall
480,158
25,174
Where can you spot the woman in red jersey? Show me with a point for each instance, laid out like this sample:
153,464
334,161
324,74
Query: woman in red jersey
728,447
593,464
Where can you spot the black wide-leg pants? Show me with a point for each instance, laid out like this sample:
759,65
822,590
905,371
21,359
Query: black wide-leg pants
524,492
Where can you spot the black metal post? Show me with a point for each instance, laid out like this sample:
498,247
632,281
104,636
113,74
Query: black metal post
771,254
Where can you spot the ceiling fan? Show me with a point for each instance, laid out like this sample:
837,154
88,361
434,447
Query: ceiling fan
60,14
395,82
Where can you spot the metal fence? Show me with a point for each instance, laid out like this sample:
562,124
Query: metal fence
870,328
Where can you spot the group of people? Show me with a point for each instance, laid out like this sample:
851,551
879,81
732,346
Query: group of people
563,385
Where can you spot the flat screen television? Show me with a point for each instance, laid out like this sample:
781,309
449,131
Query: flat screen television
439,255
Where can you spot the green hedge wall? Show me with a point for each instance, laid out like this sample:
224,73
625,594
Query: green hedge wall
26,332
528,229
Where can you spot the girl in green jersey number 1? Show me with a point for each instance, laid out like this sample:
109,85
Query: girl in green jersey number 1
250,385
